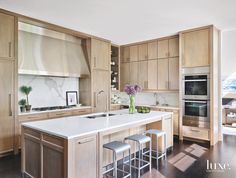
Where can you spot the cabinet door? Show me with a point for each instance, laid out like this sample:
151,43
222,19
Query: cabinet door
101,82
176,122
86,157
101,54
133,53
152,50
125,54
152,74
124,75
162,74
133,73
143,74
6,105
163,48
196,48
174,47
142,52
174,73
7,36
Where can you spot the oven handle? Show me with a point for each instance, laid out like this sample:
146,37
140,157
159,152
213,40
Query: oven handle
195,101
197,80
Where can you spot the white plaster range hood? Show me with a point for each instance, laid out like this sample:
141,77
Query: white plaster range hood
47,52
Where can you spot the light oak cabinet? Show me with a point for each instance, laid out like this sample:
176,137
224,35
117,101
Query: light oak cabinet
124,75
86,157
154,65
143,74
196,48
101,54
125,54
101,88
133,76
152,74
173,73
168,47
163,74
6,105
7,36
152,50
174,47
163,48
142,52
133,53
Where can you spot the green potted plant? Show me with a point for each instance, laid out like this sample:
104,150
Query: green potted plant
26,90
22,104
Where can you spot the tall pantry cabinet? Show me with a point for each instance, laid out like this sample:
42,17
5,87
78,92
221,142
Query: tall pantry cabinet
101,75
8,73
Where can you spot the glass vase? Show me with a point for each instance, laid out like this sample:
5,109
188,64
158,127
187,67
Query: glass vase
131,104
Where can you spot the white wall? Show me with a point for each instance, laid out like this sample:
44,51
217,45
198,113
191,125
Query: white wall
48,91
228,53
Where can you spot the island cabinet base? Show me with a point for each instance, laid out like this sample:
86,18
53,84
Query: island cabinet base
48,156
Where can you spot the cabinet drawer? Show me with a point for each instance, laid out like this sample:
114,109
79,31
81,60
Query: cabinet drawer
195,132
32,117
115,107
81,112
59,114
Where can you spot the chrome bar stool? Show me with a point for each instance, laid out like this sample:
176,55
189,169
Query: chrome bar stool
117,148
141,140
158,134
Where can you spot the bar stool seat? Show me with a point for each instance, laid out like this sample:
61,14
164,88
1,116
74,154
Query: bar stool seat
155,132
118,147
141,139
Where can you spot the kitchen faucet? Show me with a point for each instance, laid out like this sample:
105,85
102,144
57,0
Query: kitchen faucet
106,108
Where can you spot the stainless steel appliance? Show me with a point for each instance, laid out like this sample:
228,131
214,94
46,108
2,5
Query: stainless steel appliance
196,84
196,113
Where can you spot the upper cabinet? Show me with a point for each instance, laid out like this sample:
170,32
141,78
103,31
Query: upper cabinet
163,48
143,52
153,65
133,53
168,48
7,37
196,48
101,54
125,54
152,50
174,47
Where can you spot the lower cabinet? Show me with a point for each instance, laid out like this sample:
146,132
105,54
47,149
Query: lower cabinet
48,156
196,132
85,157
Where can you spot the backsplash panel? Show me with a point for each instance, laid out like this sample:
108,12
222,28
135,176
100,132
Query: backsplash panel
48,91
171,99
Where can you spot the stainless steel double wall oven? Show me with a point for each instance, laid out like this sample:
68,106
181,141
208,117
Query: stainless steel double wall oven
196,97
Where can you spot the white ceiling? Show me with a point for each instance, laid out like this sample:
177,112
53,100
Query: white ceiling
126,21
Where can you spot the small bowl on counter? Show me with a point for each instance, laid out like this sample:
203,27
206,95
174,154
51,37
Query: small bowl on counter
143,109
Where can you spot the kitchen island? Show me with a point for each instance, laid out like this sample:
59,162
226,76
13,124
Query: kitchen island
72,147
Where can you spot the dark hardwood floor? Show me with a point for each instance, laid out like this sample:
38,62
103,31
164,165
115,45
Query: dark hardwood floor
187,160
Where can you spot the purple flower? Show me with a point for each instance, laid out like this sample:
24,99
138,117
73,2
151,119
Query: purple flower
132,89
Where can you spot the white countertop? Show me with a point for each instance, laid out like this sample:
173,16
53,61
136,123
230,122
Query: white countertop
55,110
76,126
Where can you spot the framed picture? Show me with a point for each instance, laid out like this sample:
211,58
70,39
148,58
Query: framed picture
71,98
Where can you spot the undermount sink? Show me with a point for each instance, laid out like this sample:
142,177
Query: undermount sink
100,115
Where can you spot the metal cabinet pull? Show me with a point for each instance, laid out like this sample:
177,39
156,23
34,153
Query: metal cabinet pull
195,130
95,62
95,99
10,109
9,49
85,141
